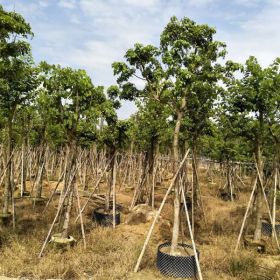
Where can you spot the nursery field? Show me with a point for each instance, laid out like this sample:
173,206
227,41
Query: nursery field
111,253
187,186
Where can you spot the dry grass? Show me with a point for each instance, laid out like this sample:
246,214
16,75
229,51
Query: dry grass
111,254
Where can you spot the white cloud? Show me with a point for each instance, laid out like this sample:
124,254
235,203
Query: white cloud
91,34
200,3
258,36
69,4
43,3
143,3
74,19
248,3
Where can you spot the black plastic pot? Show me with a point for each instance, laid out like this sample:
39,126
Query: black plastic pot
226,196
104,219
188,202
176,266
5,219
26,194
267,228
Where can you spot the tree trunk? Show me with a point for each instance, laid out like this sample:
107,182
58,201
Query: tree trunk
110,180
176,214
8,162
195,175
23,165
39,179
151,166
71,170
67,213
258,216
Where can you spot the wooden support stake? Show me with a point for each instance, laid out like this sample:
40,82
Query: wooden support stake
95,187
136,268
56,216
114,190
267,205
81,216
245,216
191,235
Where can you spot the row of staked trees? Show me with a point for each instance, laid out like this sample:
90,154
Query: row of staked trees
191,97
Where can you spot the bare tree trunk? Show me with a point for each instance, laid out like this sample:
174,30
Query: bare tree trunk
228,176
110,181
39,179
151,163
23,165
71,170
8,161
258,216
176,213
67,213
195,175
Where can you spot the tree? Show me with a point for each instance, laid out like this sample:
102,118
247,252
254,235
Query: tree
74,102
250,101
190,53
17,80
113,135
144,64
273,114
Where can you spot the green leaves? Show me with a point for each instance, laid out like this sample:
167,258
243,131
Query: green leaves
124,72
17,72
13,24
71,95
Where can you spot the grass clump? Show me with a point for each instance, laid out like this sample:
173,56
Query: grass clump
241,265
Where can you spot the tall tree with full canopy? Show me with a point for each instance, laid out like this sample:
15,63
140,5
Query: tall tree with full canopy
143,63
75,101
113,135
190,53
273,114
17,80
252,99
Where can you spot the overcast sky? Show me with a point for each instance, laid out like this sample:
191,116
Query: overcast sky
91,34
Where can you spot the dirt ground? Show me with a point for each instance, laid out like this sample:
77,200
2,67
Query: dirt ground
112,253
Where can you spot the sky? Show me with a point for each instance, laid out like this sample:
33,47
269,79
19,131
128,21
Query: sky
91,34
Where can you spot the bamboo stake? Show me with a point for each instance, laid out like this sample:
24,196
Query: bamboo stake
192,204
158,212
245,216
191,235
51,197
274,199
95,187
114,191
154,184
267,205
56,216
22,172
81,217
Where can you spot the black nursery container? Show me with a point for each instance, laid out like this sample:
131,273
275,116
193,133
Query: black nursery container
226,196
176,266
267,228
104,219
